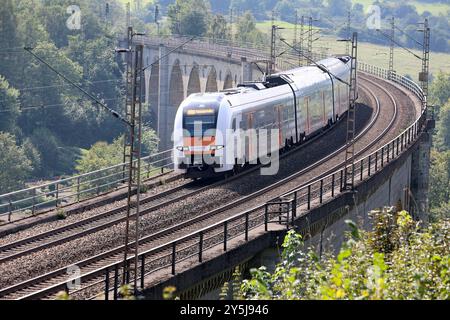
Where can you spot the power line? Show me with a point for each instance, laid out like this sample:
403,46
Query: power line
41,107
113,112
321,67
68,85
398,44
62,104
61,85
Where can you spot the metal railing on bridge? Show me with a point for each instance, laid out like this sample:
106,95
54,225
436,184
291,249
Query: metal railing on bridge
229,49
74,189
291,206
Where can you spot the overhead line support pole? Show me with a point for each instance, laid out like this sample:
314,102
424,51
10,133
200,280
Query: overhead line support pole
310,40
132,154
302,27
424,75
391,50
351,118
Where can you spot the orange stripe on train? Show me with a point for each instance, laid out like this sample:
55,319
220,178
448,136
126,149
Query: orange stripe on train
199,141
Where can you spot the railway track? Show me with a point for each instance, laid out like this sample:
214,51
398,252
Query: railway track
43,285
104,220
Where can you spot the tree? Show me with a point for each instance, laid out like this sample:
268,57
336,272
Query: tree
246,30
440,88
286,10
32,153
218,28
9,106
8,40
189,17
47,145
149,141
102,76
443,129
15,167
414,265
101,155
440,178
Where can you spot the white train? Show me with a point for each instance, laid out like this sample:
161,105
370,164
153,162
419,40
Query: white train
298,104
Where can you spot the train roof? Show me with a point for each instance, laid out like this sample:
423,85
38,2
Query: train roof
303,77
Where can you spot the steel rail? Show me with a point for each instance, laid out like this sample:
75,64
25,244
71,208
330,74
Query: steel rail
45,236
181,226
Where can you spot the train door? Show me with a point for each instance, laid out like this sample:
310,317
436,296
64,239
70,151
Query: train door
308,116
338,102
251,143
324,117
279,124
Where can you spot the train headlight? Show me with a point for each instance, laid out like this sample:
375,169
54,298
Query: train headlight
182,148
216,148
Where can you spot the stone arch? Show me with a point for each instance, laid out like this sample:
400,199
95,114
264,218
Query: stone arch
228,82
194,81
153,96
176,88
211,82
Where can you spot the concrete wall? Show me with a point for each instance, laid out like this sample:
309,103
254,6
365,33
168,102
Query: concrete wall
324,228
389,193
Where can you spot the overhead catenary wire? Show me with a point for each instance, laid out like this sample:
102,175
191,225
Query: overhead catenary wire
398,44
321,67
40,107
95,99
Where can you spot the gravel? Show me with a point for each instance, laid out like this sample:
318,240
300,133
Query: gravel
65,254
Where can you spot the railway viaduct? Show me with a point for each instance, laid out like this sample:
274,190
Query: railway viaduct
204,66
390,172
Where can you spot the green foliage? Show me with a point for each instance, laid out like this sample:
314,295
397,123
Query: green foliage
9,106
8,39
62,295
169,293
126,292
440,178
439,195
101,155
247,31
86,56
61,214
33,154
441,212
45,142
218,28
15,167
405,263
443,128
440,88
149,140
189,17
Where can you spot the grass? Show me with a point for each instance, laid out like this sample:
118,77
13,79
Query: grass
404,62
265,26
421,7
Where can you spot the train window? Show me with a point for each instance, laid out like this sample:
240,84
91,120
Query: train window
196,126
233,124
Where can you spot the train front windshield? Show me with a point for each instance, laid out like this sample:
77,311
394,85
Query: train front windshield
200,125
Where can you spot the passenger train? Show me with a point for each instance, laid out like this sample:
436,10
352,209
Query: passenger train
298,104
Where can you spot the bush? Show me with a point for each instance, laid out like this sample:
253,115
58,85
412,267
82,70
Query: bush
396,260
61,214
